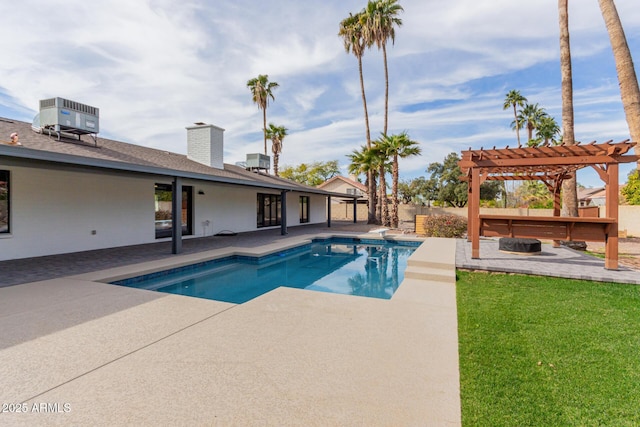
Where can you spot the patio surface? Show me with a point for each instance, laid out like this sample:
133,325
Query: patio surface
74,351
556,262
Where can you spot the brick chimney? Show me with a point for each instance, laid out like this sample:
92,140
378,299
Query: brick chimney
205,144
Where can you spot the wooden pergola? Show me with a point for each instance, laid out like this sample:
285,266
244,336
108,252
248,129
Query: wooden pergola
551,165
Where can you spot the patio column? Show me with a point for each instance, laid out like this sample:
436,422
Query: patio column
176,216
355,210
611,243
283,214
328,211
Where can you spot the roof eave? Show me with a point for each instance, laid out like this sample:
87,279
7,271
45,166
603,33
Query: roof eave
73,160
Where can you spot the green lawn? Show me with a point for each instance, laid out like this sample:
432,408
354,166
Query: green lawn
538,351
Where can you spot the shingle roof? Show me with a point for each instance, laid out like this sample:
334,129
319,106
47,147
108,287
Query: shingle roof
349,181
125,156
589,193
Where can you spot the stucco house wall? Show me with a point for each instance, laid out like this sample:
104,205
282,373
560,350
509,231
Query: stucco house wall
56,211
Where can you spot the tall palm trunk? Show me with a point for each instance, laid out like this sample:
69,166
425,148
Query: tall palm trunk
515,115
382,199
370,174
627,77
275,164
386,88
264,129
530,129
394,191
569,187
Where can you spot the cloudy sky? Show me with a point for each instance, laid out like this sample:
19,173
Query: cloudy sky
154,67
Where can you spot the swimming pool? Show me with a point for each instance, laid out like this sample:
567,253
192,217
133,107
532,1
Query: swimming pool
368,268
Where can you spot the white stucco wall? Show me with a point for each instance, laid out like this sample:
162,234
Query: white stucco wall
57,211
231,208
317,209
234,208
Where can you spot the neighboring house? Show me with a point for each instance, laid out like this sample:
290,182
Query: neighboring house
344,208
591,196
80,193
344,185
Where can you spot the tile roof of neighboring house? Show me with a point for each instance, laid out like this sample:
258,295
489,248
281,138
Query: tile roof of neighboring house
349,181
588,193
110,154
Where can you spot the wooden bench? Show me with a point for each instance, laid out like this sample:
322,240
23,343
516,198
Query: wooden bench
547,227
552,228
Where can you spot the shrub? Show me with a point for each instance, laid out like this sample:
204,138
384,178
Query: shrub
162,214
445,226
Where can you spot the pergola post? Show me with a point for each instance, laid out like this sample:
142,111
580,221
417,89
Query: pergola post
328,211
474,212
176,216
611,243
557,204
469,211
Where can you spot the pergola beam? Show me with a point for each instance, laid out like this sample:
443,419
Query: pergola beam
546,161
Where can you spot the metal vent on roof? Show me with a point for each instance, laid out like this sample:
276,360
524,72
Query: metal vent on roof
59,115
258,161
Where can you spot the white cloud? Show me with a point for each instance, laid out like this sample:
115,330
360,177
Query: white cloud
155,66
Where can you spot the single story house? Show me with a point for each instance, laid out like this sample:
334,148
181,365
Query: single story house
344,185
591,196
63,191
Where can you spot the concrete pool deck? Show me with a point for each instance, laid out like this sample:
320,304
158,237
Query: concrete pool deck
99,354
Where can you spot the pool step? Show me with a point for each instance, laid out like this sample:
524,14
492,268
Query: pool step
429,263
435,252
429,273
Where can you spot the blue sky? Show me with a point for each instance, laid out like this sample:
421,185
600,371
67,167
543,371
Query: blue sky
154,67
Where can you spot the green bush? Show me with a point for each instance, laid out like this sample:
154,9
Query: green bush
445,226
162,214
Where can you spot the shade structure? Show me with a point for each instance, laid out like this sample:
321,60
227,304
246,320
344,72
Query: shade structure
551,164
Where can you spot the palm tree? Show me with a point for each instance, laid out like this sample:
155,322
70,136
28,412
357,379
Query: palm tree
261,90
352,33
515,99
547,130
381,159
398,146
530,117
569,186
627,78
381,19
276,134
364,162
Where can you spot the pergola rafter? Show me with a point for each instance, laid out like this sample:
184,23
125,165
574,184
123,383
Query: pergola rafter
551,164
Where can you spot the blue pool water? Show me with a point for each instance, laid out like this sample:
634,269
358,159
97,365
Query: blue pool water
368,268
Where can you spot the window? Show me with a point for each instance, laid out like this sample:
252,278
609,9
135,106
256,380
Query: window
164,222
351,191
5,200
269,210
304,209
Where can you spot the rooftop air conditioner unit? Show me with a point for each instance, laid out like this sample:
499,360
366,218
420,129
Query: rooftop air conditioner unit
258,161
62,115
